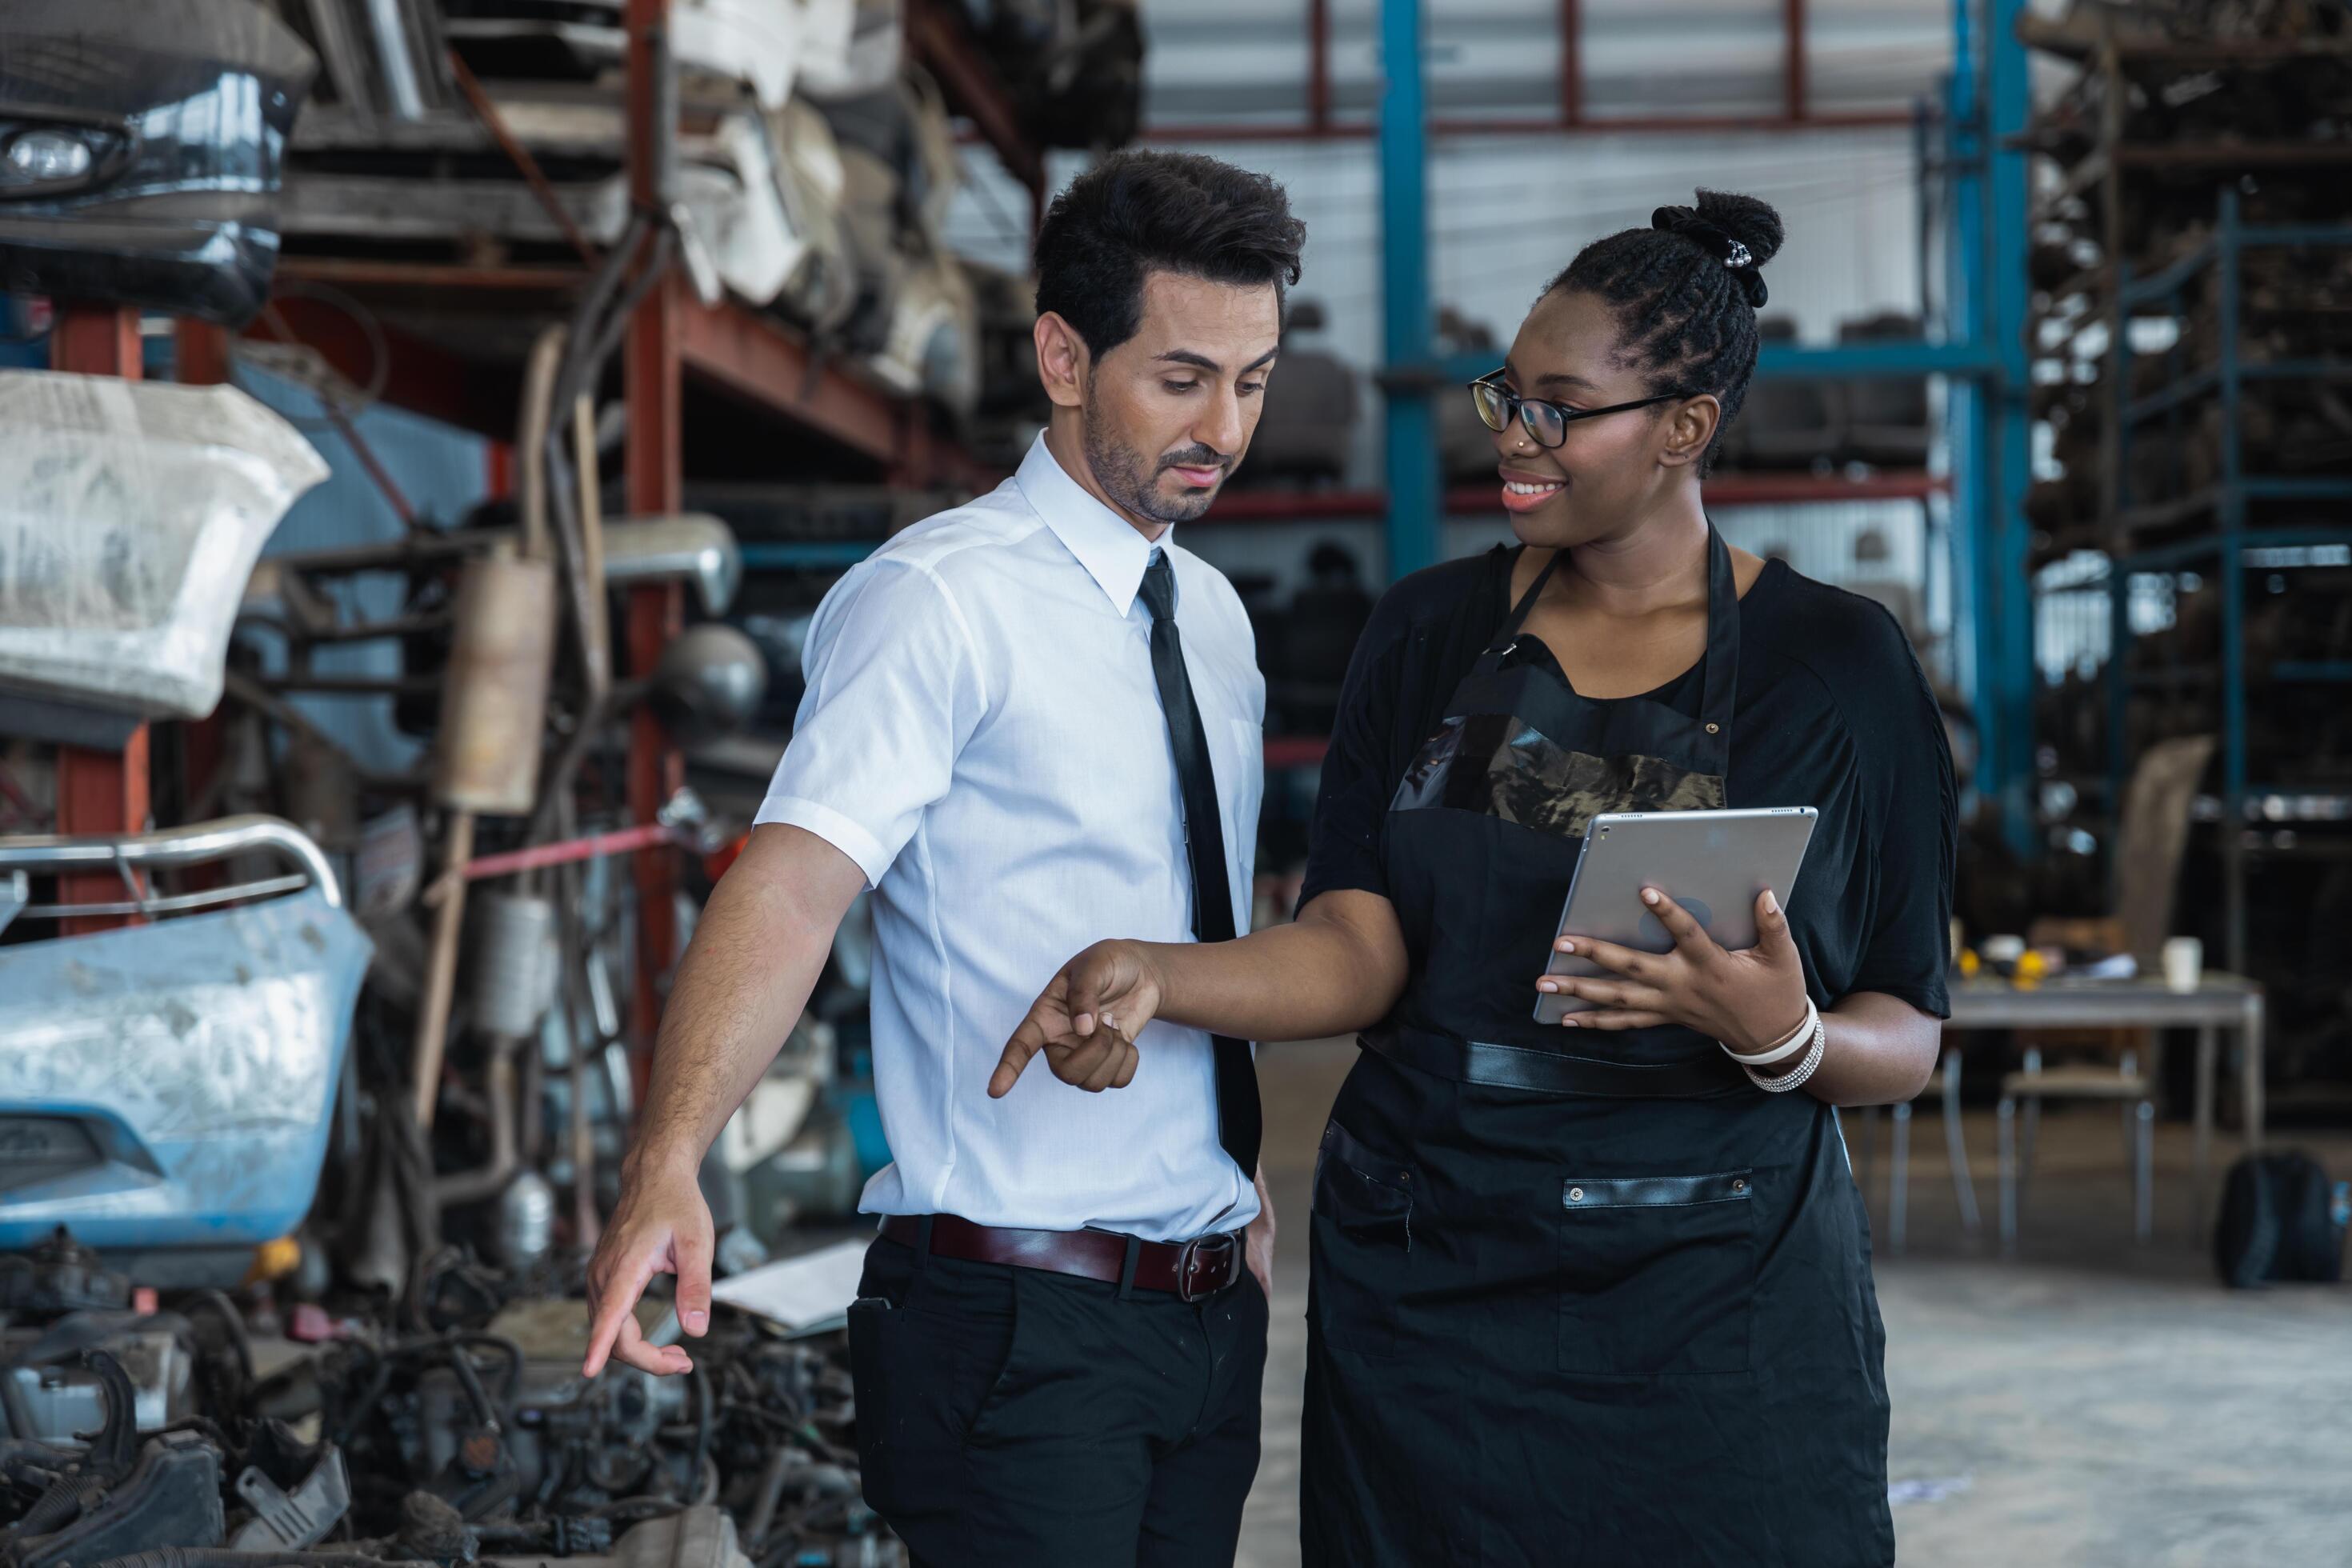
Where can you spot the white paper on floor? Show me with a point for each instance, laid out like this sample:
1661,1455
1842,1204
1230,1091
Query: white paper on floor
1935,1490
805,1294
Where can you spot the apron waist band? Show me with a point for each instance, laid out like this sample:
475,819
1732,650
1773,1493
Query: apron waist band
1547,1071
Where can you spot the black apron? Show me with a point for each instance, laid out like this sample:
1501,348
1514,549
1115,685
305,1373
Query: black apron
1579,1298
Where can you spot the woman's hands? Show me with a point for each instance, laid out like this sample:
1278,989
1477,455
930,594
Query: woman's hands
1749,1000
1086,1019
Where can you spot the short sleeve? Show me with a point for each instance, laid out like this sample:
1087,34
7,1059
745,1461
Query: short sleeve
1912,801
893,694
1345,845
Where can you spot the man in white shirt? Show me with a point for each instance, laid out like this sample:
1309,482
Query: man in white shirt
1031,723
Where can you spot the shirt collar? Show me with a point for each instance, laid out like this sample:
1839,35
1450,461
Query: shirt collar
1114,555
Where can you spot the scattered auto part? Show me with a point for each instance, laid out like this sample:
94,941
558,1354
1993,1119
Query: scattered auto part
288,1521
116,1496
145,175
173,1081
131,515
710,681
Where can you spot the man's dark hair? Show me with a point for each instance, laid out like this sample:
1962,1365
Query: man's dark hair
1685,319
1177,212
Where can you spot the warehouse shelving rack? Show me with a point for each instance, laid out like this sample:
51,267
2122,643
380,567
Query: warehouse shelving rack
674,343
2228,503
1981,353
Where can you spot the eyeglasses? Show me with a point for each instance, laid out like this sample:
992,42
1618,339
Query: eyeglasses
1545,423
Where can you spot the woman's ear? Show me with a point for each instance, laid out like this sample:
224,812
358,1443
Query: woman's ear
1688,429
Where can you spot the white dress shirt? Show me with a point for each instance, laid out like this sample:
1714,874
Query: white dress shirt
982,736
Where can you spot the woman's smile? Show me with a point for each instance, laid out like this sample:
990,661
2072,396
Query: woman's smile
1525,492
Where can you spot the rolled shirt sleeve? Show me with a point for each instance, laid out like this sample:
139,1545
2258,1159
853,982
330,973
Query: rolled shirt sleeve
894,693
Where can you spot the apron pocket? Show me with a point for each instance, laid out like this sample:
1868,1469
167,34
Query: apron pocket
1657,1275
1362,1236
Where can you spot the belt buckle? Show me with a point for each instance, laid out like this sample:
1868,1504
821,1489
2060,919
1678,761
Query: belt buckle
1190,1262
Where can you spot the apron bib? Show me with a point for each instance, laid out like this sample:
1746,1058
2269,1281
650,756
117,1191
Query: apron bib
1579,1297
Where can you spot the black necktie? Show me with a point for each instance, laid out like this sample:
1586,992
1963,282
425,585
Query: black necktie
1239,1123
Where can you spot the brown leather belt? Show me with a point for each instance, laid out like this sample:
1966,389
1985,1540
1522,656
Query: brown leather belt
1189,1269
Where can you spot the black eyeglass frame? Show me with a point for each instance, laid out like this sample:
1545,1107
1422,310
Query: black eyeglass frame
1516,407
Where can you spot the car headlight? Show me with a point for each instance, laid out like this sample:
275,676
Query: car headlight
53,158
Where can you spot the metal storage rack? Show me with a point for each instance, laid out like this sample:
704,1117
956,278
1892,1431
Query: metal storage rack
725,356
2231,540
1981,352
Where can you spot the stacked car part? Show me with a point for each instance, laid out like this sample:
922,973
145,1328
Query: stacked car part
2193,271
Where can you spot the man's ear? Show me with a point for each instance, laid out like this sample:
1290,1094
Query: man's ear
1061,361
1688,429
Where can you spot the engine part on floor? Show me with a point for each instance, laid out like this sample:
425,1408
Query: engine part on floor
710,681
56,1276
171,1498
140,508
288,1521
56,1397
144,151
172,1083
701,1537
117,1495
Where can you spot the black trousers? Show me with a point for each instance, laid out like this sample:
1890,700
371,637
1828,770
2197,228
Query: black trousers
1010,1415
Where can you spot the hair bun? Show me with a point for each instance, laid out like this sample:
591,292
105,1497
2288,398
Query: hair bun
1741,232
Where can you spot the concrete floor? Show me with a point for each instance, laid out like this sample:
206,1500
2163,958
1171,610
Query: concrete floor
2093,1402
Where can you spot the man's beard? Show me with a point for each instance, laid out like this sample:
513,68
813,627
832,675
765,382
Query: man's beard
1130,478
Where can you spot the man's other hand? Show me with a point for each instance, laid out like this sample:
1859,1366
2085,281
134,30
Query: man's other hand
662,1227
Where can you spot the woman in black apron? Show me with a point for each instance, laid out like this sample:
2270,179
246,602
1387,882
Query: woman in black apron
1601,1294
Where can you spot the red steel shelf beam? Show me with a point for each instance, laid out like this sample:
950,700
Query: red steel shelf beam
1796,110
764,360
1630,124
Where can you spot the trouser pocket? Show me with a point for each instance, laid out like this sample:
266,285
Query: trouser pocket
1657,1275
926,1355
1363,1244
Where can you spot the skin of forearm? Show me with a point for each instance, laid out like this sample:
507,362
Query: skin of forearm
756,955
1334,971
1881,1050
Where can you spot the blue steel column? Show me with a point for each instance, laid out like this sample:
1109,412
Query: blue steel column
2011,448
1965,405
1416,516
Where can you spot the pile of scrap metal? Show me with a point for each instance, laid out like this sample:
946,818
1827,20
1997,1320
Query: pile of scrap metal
146,174
2168,103
177,1434
811,172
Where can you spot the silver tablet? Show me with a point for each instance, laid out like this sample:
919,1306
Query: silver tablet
1713,863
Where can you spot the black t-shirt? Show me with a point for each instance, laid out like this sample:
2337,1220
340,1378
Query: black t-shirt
1832,711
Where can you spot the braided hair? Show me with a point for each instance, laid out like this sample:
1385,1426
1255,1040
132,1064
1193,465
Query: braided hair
1684,292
